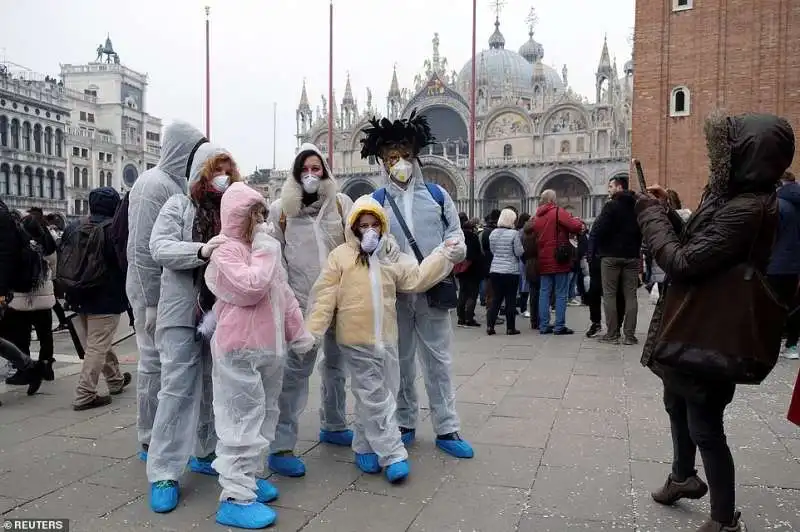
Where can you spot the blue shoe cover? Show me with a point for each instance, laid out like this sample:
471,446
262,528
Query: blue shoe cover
397,471
408,437
163,496
252,515
286,465
265,491
203,465
368,462
457,448
143,456
343,438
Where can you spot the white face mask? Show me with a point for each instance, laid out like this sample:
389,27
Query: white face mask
401,171
310,183
221,182
369,240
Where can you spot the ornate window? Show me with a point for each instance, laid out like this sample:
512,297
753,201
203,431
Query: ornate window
49,185
37,138
76,177
508,151
15,134
16,181
48,141
109,181
85,178
3,131
5,179
59,143
679,102
38,184
26,136
565,147
60,192
27,182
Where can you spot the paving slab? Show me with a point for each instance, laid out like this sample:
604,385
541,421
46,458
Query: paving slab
569,434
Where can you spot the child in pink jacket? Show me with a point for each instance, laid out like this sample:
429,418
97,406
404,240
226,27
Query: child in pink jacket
257,314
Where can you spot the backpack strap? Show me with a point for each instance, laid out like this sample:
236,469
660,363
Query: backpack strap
433,189
380,195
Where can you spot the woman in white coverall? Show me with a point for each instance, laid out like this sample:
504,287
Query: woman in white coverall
183,238
308,221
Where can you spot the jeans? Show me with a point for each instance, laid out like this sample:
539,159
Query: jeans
700,426
558,284
468,288
620,273
505,287
785,287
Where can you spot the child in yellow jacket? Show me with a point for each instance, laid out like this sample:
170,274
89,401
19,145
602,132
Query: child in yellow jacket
359,286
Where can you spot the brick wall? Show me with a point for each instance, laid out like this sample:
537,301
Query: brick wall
741,55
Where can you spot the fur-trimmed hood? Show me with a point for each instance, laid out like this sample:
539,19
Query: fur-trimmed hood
292,191
747,153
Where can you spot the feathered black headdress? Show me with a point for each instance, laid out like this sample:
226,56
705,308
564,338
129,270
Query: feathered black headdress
414,132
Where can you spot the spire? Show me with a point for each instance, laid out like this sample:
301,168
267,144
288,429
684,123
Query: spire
394,88
497,41
604,67
304,98
532,51
348,93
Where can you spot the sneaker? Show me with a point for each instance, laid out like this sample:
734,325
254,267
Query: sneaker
594,328
453,445
630,340
610,339
97,402
461,323
31,377
563,332
490,331
790,353
368,463
715,526
286,464
526,314
672,491
126,380
246,515
342,438
397,472
164,496
574,302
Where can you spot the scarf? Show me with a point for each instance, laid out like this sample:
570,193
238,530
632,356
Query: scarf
207,224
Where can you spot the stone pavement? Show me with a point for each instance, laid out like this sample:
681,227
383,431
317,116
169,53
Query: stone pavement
569,435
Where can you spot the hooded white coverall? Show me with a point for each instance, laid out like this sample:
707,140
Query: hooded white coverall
184,401
311,233
143,284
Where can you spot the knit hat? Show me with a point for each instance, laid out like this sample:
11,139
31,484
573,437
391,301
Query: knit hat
507,219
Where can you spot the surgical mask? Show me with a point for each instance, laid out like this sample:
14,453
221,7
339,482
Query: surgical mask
369,240
310,183
221,182
401,171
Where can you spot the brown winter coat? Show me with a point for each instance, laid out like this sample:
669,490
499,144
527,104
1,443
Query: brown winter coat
531,251
747,156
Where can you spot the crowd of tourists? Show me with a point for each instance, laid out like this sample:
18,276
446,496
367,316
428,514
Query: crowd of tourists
235,301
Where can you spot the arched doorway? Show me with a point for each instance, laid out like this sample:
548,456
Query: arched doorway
432,174
504,191
450,131
572,194
356,189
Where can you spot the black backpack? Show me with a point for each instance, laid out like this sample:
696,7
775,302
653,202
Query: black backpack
31,270
119,233
82,263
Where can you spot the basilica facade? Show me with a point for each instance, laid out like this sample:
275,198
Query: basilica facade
532,131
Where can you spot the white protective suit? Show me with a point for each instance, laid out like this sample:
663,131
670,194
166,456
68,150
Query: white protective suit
143,284
421,328
311,233
184,401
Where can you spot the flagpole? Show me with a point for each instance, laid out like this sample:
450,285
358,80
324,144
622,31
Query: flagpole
274,131
208,74
472,115
331,103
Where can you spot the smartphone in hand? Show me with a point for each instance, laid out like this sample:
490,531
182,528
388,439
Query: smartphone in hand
640,175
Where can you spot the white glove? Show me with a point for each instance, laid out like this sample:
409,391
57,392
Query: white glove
150,314
262,241
454,251
211,245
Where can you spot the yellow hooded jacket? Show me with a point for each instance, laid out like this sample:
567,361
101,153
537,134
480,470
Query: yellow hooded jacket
344,288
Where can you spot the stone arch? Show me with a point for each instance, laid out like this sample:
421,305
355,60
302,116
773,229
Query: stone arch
357,187
582,115
459,182
572,190
445,100
358,134
449,127
495,114
504,188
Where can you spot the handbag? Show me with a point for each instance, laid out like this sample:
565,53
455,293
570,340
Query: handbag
461,267
442,296
738,343
565,251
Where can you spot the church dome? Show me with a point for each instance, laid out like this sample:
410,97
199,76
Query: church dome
500,63
532,51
